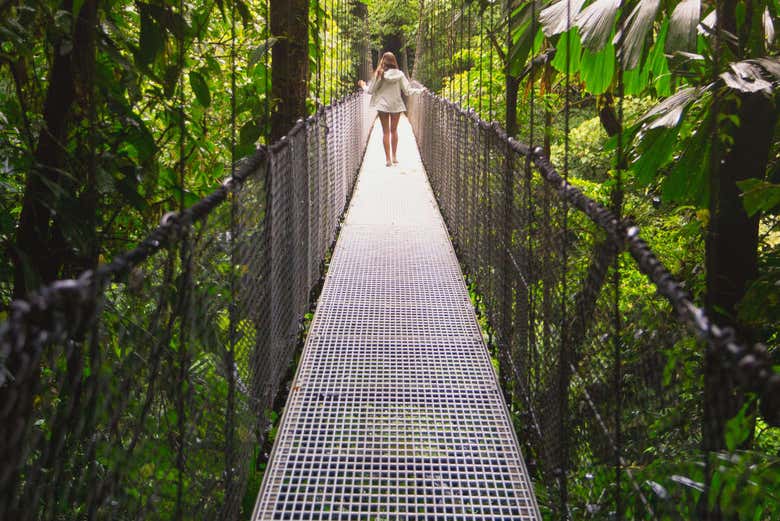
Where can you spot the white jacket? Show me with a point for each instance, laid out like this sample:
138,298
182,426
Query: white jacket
386,91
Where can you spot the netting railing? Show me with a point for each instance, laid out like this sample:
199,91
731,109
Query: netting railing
601,351
139,390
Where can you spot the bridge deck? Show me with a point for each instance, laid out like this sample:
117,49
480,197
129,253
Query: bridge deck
395,411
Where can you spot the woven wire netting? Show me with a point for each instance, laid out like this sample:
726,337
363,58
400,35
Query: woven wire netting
604,375
139,391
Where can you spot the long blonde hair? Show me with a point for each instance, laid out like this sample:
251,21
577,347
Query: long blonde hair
388,61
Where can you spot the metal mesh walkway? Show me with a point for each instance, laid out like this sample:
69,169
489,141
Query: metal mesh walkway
395,412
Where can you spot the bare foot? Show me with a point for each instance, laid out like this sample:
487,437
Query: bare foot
388,164
395,161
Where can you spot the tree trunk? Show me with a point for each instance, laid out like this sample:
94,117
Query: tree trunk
41,250
36,261
418,47
512,87
363,44
402,61
732,250
290,71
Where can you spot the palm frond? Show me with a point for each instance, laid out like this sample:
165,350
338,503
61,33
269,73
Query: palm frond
682,26
554,19
669,111
748,75
631,41
595,23
769,27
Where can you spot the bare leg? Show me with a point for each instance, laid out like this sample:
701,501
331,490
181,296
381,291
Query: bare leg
384,118
394,119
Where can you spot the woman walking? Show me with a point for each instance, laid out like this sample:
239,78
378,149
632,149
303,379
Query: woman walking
385,89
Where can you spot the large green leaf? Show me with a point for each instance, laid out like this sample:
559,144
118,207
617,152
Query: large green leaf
598,69
687,180
522,37
682,26
572,38
634,81
655,150
759,195
151,38
257,54
249,134
658,65
596,22
200,88
638,25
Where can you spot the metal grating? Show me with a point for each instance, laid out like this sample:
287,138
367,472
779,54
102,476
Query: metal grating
395,411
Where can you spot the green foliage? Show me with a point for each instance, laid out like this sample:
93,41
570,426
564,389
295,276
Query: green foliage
391,18
760,196
142,87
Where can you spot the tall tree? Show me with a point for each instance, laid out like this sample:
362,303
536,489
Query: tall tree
418,48
290,71
41,249
732,236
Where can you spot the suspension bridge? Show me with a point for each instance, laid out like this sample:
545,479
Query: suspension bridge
466,335
395,410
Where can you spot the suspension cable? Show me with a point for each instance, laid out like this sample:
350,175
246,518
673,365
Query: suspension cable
267,65
460,50
481,61
468,63
616,279
490,67
320,50
230,351
339,47
530,221
183,294
452,43
563,362
328,56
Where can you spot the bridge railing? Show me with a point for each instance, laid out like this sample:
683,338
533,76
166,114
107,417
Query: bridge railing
140,390
601,352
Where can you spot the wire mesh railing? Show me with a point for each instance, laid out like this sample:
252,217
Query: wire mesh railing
139,390
601,352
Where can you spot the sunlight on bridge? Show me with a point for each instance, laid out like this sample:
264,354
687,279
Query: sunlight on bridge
395,409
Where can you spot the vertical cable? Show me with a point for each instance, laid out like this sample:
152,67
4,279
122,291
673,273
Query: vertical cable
326,53
339,47
180,64
434,50
530,268
318,28
183,294
481,60
712,416
451,41
460,50
490,67
563,363
617,319
332,52
440,49
230,352
504,343
468,63
267,65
